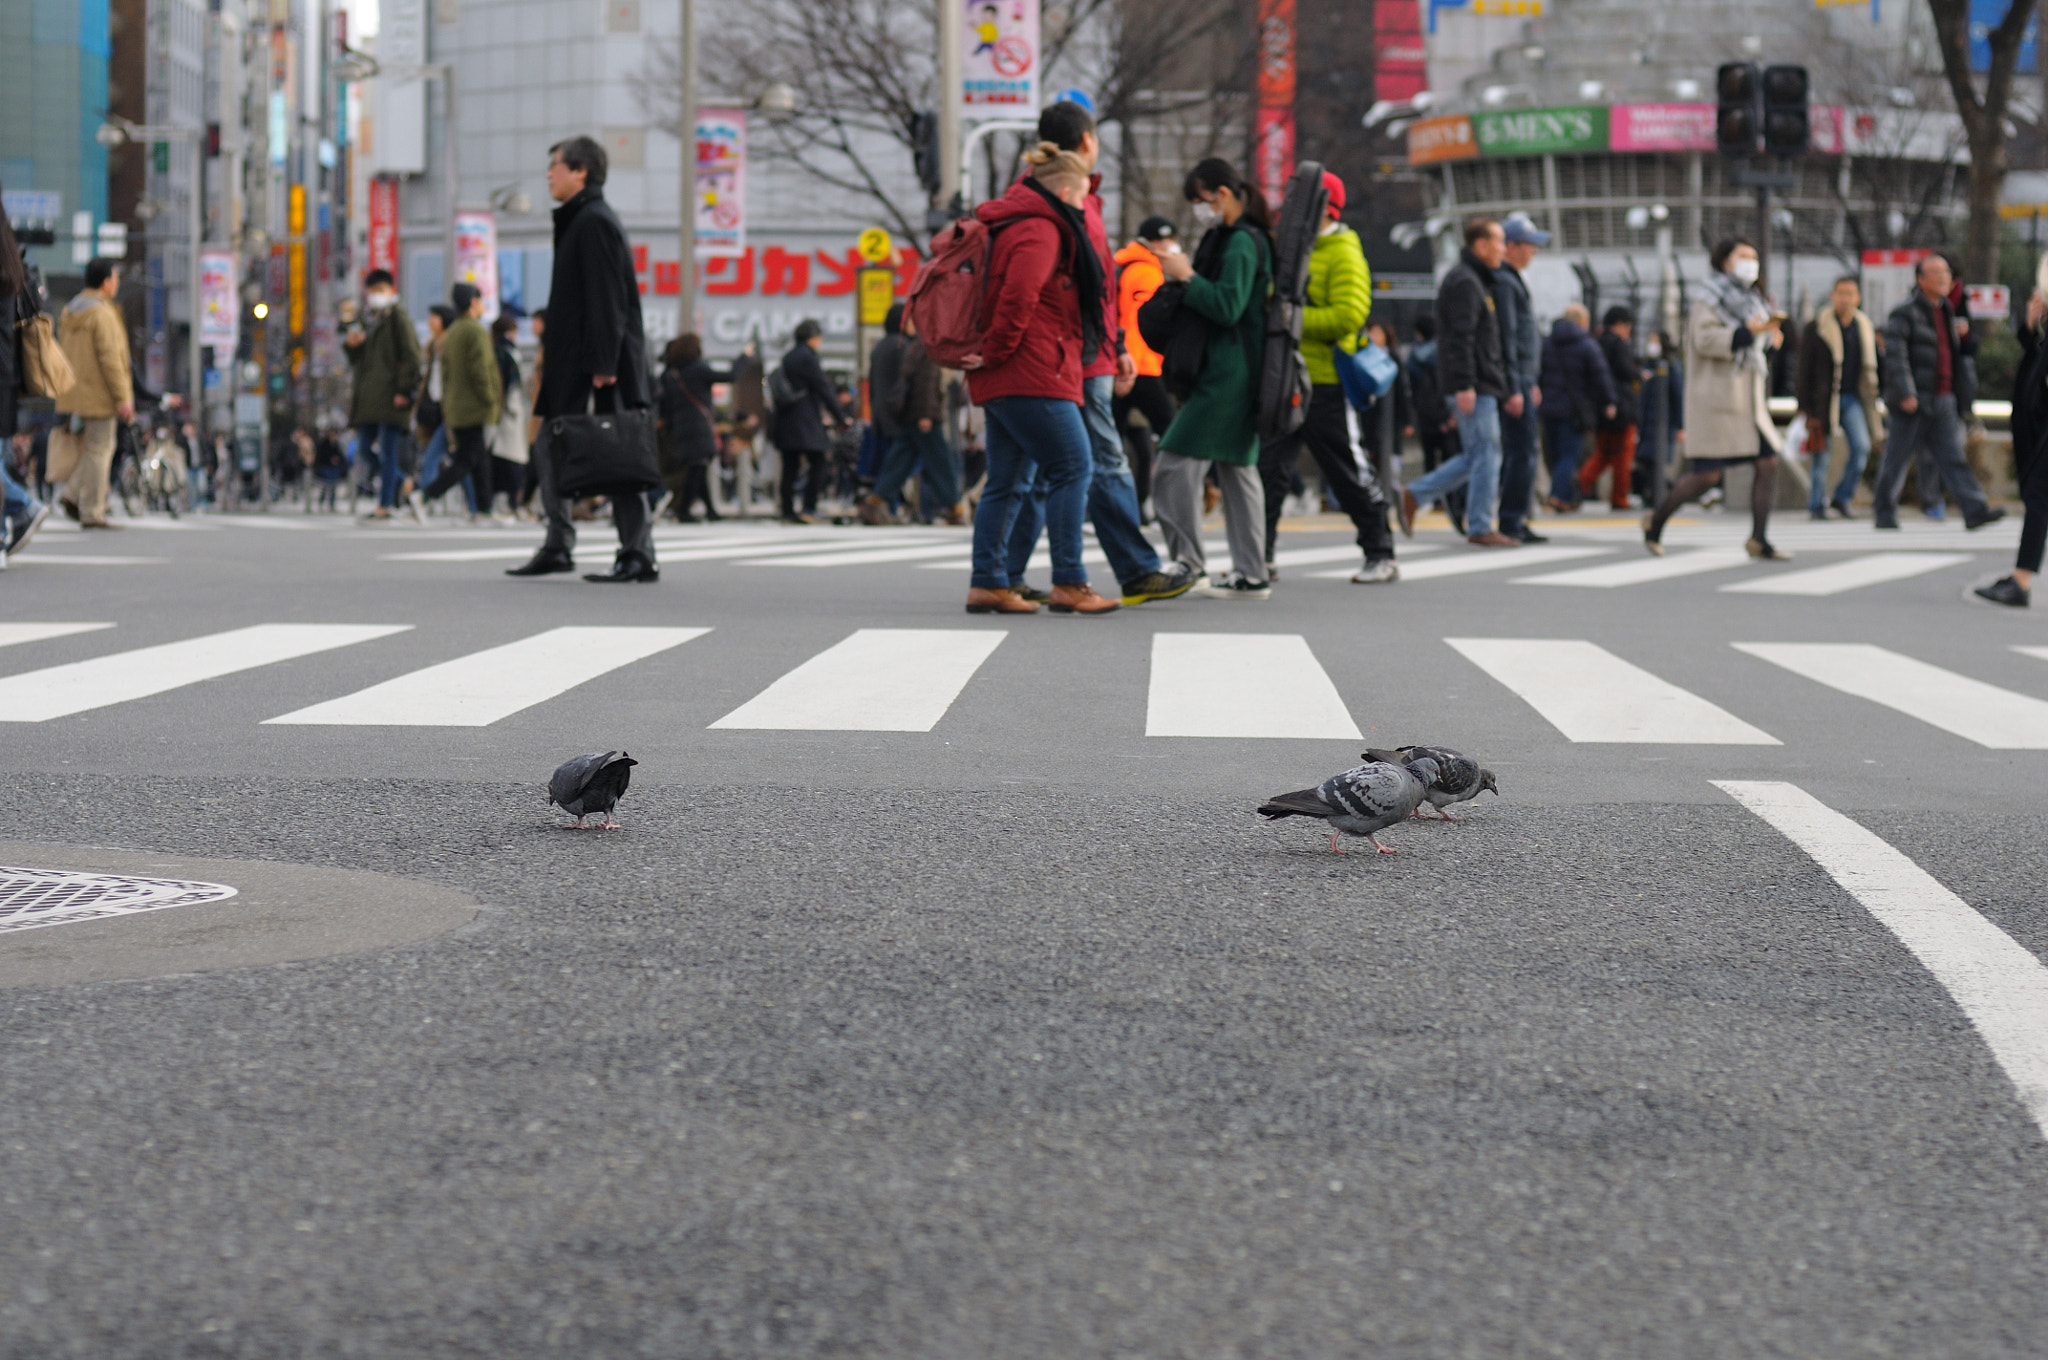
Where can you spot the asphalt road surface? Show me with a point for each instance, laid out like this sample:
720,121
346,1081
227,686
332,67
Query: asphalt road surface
942,996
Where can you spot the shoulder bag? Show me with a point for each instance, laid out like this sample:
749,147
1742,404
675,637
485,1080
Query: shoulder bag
45,372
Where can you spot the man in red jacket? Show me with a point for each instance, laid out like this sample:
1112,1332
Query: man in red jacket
1044,322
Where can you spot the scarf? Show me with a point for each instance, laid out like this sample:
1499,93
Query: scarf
1086,268
1738,302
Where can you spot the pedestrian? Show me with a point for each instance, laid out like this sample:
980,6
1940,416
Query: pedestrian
1521,345
95,340
1217,428
885,370
689,437
1928,389
1138,277
917,403
596,353
384,360
1112,492
1661,431
1577,394
1728,340
1837,385
507,439
1339,299
1045,308
22,514
471,402
430,428
2029,456
1436,425
803,403
1472,368
1614,434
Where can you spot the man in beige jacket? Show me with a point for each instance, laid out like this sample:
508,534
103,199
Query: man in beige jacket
95,340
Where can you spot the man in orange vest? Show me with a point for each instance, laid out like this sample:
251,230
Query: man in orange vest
1138,277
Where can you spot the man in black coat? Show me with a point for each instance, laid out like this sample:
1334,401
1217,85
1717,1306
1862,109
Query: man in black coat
1928,390
1472,369
595,351
799,429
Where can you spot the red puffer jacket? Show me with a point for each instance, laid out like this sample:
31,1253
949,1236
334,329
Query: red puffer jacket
1032,345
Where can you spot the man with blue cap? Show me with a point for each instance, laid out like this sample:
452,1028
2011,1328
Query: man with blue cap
1522,347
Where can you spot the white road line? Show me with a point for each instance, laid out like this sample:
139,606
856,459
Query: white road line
696,551
1481,559
2038,653
877,680
1200,682
45,559
1644,569
860,557
1992,717
479,689
11,633
59,691
1591,695
1041,561
1998,983
1349,552
1857,572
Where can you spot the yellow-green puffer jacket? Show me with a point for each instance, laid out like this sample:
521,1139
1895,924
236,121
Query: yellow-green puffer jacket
1339,299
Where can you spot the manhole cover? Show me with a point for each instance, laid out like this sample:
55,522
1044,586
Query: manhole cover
58,897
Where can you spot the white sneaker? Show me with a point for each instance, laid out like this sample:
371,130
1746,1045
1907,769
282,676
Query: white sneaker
1235,587
418,505
1382,572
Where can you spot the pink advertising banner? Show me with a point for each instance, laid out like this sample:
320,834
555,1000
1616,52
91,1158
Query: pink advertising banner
1661,127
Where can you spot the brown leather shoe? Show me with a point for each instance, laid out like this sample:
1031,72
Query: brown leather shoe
1409,510
957,515
981,601
1494,540
875,510
1080,600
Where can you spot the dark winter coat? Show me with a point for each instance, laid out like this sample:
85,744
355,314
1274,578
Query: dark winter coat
1909,357
1819,382
2030,405
1468,346
1626,374
1031,346
920,391
1432,411
593,309
1575,378
387,366
1521,344
10,367
885,366
800,426
684,403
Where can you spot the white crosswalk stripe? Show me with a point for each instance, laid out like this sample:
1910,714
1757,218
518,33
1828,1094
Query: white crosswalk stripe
1643,570
1999,984
1478,560
12,633
478,689
60,691
1999,719
1591,695
861,557
878,680
1200,682
1854,574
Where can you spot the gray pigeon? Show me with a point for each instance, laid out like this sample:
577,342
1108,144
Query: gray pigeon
1360,802
592,784
1458,779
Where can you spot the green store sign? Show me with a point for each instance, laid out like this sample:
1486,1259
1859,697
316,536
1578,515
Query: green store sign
1540,132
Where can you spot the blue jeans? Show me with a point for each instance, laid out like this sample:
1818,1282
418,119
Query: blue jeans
1112,497
1517,467
1022,432
20,506
1856,428
430,464
1567,442
381,443
927,453
1477,469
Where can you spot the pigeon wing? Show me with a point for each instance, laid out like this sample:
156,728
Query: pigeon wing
1303,803
1373,795
1457,774
565,789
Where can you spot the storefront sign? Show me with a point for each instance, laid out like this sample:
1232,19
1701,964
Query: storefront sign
1540,132
1002,58
721,182
1441,139
1273,129
1661,127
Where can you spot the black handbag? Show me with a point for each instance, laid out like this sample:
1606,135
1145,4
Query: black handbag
1178,334
603,453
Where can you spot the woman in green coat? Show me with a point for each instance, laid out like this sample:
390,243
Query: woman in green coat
1227,284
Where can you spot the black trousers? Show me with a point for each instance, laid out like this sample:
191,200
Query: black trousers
793,461
629,508
466,457
2034,493
1148,397
1352,480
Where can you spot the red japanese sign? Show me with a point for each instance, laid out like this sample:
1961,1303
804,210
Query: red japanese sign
384,225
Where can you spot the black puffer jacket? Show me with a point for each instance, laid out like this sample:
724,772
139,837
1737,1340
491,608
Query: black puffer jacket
1626,376
1910,354
1468,331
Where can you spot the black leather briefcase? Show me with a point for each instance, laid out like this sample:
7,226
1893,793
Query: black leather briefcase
603,452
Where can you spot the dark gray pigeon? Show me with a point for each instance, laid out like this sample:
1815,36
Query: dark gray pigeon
1360,802
1458,778
592,784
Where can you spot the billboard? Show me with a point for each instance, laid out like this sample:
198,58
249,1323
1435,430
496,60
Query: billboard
384,225
476,255
219,310
1001,72
1661,127
1448,138
1540,132
721,182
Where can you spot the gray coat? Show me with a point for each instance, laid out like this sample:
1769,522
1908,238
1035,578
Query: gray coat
1521,344
1727,411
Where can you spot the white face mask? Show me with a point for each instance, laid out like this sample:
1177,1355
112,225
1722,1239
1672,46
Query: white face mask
1653,349
1746,270
379,300
1206,215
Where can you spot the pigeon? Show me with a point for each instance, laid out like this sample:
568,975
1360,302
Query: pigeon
1458,775
1360,802
592,784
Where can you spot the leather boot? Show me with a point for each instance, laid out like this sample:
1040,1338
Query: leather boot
1080,600
981,601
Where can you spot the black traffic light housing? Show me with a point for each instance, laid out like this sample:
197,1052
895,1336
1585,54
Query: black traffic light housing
924,149
1785,113
1761,110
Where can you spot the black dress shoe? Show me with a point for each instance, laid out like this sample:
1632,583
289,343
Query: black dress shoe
1990,516
1529,535
2004,591
544,563
628,567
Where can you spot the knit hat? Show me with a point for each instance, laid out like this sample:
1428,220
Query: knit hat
1335,188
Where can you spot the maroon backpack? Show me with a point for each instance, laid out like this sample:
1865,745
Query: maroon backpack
949,297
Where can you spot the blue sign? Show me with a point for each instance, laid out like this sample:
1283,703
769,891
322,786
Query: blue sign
34,205
1986,15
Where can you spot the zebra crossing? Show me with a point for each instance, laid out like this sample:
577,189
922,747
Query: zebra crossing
911,680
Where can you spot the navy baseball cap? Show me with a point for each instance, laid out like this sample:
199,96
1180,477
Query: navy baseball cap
1521,231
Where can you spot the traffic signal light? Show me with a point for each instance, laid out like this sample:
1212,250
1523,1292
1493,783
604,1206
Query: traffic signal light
1785,95
1737,123
924,149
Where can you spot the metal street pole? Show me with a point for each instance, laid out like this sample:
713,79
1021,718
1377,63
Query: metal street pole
686,135
194,221
446,71
952,33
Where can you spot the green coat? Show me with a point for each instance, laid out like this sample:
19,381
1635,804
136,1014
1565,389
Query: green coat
472,393
1339,300
387,365
1219,420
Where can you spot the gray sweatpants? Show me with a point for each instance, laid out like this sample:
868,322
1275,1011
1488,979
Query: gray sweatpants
1177,500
